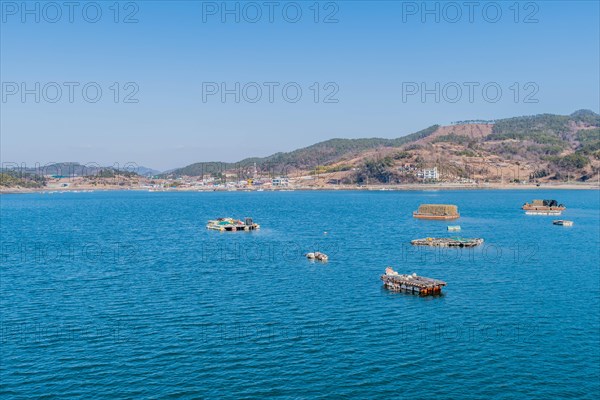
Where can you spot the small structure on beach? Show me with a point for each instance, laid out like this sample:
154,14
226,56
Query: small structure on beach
232,225
437,211
447,242
411,283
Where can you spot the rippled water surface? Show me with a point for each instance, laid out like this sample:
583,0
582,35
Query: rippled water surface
126,294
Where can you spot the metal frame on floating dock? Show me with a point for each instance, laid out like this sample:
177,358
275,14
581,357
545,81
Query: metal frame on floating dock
231,225
411,283
447,242
234,228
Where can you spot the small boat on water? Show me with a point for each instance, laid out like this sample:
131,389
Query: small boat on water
411,283
543,207
562,222
454,228
232,225
437,211
317,256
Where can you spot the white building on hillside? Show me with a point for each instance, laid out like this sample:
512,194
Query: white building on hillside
279,181
429,174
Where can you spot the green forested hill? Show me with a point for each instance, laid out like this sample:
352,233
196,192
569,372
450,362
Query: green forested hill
543,128
308,157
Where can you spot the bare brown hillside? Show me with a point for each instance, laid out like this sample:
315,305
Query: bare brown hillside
524,149
472,131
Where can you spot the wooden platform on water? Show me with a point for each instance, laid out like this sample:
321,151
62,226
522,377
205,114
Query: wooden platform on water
234,228
447,242
543,207
437,212
544,212
411,283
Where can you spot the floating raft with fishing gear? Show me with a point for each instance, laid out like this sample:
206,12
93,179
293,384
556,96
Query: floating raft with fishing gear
447,242
411,283
543,207
437,211
232,225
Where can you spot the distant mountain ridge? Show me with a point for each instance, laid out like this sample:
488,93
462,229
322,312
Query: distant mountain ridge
560,143
536,147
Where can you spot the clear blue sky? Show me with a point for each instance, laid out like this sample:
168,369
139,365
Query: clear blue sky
372,54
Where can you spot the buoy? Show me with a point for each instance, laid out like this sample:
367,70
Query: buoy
321,256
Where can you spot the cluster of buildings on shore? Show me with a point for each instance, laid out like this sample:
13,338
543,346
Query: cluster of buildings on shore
230,181
216,183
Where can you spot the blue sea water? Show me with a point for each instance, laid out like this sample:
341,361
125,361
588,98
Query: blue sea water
127,295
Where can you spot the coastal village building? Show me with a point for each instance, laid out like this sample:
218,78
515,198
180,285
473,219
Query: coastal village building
429,174
280,182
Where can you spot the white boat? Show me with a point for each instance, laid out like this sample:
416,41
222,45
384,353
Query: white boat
454,228
562,222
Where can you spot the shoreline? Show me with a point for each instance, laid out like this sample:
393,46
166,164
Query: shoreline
390,188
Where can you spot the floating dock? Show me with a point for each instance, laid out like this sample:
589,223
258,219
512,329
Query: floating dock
411,283
543,207
232,225
447,242
540,212
437,211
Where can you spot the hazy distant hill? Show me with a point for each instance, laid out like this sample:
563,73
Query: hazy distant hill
36,176
145,171
72,169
